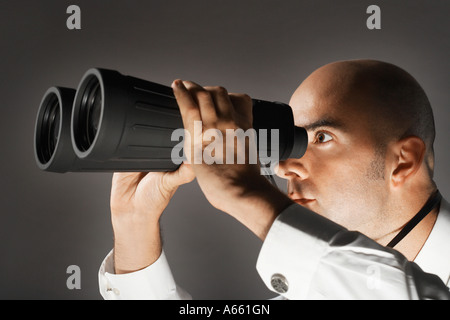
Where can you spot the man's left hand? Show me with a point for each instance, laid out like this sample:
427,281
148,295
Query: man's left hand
237,189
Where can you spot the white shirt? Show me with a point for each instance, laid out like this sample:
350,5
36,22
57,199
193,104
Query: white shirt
306,256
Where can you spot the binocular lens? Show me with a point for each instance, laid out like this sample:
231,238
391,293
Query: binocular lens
49,131
89,114
52,132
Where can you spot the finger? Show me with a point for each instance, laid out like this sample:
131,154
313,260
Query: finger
204,101
188,107
125,183
243,105
224,106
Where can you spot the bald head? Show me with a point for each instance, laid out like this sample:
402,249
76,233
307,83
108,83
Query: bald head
369,160
387,98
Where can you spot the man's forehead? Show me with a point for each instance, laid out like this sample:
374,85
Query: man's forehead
317,101
310,110
325,122
313,112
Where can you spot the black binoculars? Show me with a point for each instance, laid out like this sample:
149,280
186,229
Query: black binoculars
113,122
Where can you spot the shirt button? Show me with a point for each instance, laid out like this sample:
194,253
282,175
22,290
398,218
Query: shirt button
279,283
113,290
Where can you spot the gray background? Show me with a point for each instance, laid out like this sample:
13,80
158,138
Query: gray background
260,47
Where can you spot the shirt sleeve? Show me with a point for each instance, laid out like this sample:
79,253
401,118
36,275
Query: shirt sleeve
306,256
155,282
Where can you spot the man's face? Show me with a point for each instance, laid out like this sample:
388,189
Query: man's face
341,175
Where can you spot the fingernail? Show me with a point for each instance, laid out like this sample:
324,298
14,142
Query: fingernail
177,83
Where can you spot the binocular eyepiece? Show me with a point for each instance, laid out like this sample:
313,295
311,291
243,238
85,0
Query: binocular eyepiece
113,122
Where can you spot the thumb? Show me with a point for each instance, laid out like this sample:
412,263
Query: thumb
184,174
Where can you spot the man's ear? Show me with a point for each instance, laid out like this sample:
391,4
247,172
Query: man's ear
409,152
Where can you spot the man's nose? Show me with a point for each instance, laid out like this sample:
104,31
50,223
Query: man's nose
290,169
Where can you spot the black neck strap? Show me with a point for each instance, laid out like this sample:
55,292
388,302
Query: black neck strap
432,202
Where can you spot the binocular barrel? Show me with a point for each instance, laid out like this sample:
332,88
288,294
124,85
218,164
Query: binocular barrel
114,122
52,141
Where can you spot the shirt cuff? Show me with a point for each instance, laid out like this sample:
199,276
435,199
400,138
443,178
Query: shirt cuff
155,282
292,250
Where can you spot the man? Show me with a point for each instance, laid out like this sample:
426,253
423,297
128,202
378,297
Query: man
368,168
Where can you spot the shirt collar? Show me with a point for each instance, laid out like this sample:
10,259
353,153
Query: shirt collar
434,257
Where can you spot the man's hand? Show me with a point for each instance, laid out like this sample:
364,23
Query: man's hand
137,202
238,189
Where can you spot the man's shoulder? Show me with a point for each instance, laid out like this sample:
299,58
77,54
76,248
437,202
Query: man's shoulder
434,257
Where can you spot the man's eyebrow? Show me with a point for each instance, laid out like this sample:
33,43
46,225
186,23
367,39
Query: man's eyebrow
330,123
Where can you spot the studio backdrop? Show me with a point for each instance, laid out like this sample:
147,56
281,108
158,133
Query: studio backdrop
54,225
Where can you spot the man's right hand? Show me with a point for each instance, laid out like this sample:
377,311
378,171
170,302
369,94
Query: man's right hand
137,202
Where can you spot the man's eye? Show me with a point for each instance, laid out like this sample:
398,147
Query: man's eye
322,137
